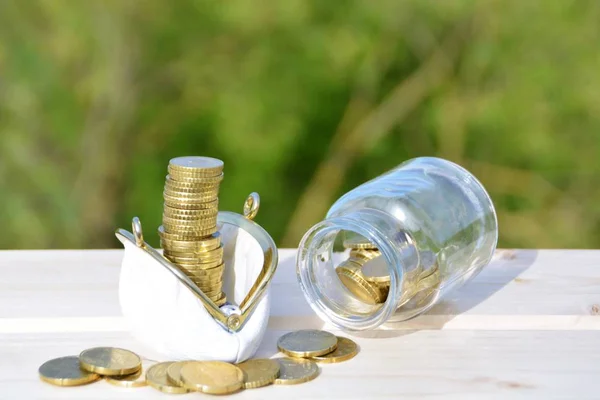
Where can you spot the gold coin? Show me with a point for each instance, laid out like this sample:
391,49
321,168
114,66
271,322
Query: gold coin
211,205
207,166
196,254
187,232
157,378
195,260
193,184
212,279
209,286
383,280
307,343
191,188
190,197
137,379
214,377
212,288
175,213
213,253
183,177
222,299
296,370
356,283
66,371
203,268
193,248
110,361
204,275
345,350
365,255
359,242
177,198
259,372
190,206
184,188
213,294
190,225
166,233
204,244
174,372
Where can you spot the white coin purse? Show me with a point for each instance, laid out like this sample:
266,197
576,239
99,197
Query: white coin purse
166,311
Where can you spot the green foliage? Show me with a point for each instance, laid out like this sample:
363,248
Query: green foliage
97,96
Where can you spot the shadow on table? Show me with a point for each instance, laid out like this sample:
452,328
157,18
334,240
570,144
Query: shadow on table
504,268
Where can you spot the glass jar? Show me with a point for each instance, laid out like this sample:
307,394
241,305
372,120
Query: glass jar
411,235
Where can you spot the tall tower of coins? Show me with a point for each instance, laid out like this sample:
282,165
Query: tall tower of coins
189,235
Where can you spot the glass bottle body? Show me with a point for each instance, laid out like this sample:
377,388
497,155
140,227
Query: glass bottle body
433,226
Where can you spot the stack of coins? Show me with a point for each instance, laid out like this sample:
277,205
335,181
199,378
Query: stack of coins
189,235
317,346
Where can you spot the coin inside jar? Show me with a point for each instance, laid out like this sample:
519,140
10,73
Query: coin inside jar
259,372
359,242
307,343
66,371
158,379
296,370
213,377
357,284
346,349
110,361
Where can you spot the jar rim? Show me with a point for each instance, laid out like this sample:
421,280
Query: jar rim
304,267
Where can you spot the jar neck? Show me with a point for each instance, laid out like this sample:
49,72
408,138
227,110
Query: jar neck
316,267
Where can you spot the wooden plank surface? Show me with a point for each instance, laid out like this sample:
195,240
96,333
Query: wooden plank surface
528,326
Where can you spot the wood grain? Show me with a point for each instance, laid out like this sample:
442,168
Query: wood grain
528,326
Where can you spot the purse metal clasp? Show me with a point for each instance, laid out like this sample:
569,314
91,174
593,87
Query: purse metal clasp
231,321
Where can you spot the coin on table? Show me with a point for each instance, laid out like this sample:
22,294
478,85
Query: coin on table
174,372
357,284
136,379
66,371
346,349
307,343
158,379
110,361
213,377
296,370
259,372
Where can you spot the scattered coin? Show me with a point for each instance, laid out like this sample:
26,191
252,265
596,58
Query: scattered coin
157,378
134,380
346,349
214,377
66,371
110,361
307,343
259,372
297,370
174,372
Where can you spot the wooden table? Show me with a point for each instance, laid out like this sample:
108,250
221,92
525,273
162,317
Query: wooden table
527,326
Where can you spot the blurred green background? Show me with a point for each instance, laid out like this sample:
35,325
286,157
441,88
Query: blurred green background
303,100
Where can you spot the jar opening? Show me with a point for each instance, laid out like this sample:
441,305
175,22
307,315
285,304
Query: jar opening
336,287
